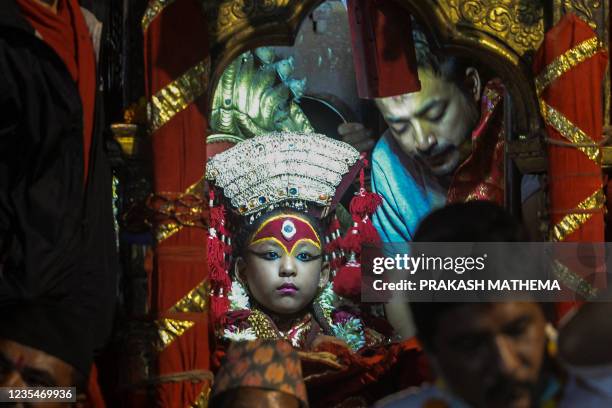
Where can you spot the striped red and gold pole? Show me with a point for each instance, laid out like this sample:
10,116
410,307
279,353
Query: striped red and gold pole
570,67
177,70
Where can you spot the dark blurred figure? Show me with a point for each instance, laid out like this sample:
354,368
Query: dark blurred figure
474,221
43,345
57,236
260,374
491,354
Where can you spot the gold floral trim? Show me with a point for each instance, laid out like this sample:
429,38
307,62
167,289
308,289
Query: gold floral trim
571,132
573,281
265,329
197,188
177,95
196,301
165,231
261,325
566,61
572,222
154,8
203,398
171,329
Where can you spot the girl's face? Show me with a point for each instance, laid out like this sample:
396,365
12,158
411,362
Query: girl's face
283,266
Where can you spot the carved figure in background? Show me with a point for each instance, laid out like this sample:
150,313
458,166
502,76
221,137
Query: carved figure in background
256,94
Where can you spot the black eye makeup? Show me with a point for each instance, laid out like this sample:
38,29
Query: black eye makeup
305,256
266,255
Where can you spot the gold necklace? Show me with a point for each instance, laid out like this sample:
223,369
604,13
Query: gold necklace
264,328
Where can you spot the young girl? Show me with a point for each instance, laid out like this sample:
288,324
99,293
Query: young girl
279,267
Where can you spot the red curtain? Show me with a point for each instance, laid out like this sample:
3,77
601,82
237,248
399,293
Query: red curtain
176,41
569,68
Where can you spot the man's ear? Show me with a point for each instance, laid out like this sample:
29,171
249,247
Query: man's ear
473,83
324,275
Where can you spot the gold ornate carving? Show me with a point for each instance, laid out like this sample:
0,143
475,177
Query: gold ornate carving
154,8
238,25
585,9
519,24
228,16
256,94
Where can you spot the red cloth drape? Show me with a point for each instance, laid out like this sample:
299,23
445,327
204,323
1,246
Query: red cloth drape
577,95
383,49
481,175
175,41
67,34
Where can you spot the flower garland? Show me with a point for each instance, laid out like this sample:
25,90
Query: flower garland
238,297
345,325
239,301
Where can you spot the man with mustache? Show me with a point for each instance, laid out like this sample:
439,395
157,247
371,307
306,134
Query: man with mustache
504,354
444,143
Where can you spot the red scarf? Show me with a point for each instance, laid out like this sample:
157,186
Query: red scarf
67,34
481,175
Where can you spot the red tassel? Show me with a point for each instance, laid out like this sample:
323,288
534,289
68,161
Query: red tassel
334,225
333,243
216,259
368,232
364,203
219,307
352,241
336,262
347,282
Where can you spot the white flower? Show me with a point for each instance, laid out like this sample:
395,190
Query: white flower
235,334
239,300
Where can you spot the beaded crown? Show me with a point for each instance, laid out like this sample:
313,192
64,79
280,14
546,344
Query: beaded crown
269,170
